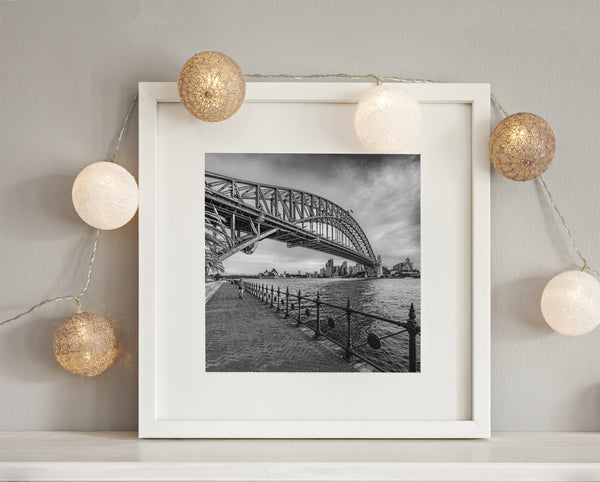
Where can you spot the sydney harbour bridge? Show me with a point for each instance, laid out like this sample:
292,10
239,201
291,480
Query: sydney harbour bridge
239,214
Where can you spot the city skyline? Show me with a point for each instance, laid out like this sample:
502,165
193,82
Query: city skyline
350,266
381,191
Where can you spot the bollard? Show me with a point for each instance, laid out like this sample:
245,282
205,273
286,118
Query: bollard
412,339
287,302
348,350
278,298
318,325
271,297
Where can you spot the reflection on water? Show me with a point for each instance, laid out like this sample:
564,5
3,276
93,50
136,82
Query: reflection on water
389,298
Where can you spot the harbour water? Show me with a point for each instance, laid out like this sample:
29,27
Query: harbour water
386,297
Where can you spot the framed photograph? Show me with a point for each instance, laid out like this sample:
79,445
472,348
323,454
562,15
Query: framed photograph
294,285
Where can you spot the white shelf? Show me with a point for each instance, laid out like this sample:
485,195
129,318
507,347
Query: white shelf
121,456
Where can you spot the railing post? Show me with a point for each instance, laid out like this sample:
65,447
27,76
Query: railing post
271,296
287,301
412,339
348,351
299,307
278,298
318,325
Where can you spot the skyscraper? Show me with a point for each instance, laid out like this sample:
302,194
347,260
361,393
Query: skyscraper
329,268
378,267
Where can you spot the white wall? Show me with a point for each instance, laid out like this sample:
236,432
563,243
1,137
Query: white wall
69,68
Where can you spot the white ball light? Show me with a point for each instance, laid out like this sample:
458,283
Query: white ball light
571,303
105,195
387,119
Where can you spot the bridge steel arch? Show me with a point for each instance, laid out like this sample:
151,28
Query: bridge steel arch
239,214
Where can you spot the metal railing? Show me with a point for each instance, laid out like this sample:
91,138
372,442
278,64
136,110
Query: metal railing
344,326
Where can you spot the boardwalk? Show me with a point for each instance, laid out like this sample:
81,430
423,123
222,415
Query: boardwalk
245,336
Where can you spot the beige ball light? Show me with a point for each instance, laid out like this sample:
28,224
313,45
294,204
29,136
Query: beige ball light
105,195
522,147
387,119
211,86
571,303
86,344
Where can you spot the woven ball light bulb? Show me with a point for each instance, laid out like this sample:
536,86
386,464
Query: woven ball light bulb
522,147
105,195
571,303
211,86
86,344
387,119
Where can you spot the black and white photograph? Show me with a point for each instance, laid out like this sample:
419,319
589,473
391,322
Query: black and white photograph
312,262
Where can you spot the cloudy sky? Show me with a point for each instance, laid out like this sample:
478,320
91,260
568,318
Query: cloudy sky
382,190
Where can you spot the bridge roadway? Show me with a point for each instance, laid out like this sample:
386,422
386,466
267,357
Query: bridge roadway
246,336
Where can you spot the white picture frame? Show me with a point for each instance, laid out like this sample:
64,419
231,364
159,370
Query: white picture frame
449,398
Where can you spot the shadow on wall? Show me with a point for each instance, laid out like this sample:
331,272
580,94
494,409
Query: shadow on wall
45,203
27,356
27,352
518,303
585,416
557,235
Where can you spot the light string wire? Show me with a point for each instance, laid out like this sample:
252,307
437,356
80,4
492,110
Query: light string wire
540,179
586,266
83,292
378,79
494,101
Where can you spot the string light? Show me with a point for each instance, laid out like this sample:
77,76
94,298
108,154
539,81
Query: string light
211,86
522,146
85,344
571,303
237,98
105,195
387,119
520,169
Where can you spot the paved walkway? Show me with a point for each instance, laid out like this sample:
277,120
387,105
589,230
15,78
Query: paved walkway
246,336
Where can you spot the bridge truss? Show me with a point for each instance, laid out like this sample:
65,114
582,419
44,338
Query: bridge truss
239,214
